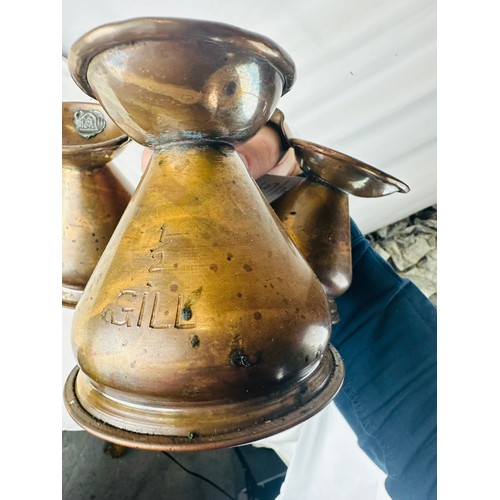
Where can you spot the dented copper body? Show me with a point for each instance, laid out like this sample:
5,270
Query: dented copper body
93,197
202,326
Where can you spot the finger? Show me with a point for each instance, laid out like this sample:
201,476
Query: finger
261,153
146,156
288,165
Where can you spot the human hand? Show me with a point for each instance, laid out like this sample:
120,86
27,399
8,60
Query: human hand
261,155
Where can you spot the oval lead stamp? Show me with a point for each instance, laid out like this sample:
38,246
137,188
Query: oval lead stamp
89,122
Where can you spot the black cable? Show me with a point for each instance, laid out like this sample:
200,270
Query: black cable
250,482
198,476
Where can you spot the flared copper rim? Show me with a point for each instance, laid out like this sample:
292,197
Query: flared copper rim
110,144
353,167
71,296
159,28
290,415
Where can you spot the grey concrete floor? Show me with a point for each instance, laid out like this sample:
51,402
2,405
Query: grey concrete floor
91,473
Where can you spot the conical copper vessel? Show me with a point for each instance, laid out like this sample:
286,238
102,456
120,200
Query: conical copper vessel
93,197
202,325
316,217
315,213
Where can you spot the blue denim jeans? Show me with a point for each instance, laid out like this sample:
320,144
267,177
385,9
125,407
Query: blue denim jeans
387,338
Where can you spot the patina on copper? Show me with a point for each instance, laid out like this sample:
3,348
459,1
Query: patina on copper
93,197
202,326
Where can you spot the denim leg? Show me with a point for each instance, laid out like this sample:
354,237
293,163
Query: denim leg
387,338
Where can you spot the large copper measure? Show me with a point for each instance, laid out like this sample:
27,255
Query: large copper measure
202,326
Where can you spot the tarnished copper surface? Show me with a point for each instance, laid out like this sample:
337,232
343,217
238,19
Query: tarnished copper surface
344,172
93,198
316,218
202,326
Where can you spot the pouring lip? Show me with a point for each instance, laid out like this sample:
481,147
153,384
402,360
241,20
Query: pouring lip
140,29
109,145
352,169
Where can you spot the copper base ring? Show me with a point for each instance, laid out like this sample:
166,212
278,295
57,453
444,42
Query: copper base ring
294,407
